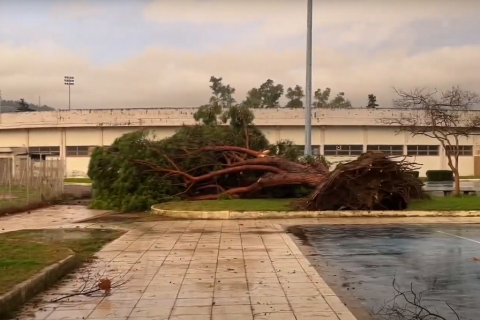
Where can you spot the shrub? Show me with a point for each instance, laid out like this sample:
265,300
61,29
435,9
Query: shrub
416,174
440,175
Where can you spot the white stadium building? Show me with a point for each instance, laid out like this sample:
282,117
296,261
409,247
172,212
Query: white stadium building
338,134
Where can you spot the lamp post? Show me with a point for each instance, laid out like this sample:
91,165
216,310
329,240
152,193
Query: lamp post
308,87
69,81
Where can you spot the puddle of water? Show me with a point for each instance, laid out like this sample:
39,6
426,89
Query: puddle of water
368,258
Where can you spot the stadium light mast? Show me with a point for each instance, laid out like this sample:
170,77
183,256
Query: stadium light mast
308,87
69,81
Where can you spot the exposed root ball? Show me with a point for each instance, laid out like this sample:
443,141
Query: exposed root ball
372,182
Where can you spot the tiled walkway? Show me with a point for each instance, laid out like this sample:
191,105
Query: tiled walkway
204,270
51,217
199,270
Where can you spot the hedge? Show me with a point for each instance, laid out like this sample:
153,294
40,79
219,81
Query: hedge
440,175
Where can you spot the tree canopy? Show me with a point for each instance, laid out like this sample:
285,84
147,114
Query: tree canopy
295,97
22,106
268,95
322,100
372,101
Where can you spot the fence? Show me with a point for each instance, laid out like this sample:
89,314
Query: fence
24,181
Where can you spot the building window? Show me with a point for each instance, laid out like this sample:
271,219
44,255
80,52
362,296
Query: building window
301,150
343,150
422,150
392,150
462,150
79,151
44,151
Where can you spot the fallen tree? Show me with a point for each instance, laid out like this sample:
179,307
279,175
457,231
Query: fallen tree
198,162
374,181
227,156
137,172
252,170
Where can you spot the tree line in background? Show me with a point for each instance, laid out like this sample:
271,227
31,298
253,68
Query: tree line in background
22,106
268,95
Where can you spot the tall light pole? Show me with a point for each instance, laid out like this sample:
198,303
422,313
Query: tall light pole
69,81
308,87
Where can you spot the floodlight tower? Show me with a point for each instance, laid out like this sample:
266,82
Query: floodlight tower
69,81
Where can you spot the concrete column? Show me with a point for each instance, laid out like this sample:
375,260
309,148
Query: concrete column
322,139
63,143
63,150
28,139
365,138
442,158
405,142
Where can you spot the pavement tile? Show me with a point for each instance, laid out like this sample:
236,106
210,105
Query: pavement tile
195,270
271,308
232,309
193,302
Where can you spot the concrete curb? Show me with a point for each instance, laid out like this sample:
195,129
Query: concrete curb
238,215
77,183
21,293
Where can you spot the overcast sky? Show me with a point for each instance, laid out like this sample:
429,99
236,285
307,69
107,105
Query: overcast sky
161,53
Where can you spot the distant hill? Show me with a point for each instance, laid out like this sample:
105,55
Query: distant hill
15,106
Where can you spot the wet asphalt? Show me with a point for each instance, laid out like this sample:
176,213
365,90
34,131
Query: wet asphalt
362,261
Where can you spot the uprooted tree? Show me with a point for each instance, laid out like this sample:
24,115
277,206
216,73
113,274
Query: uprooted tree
446,116
374,181
227,156
197,163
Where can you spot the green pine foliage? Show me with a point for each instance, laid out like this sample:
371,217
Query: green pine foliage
119,183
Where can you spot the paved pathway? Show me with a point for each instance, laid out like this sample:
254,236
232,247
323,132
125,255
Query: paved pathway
204,270
51,217
200,270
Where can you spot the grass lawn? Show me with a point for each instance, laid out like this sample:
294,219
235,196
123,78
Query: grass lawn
77,180
15,196
461,203
24,253
465,203
230,205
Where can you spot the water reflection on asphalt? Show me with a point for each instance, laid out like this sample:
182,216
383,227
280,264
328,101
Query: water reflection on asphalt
367,258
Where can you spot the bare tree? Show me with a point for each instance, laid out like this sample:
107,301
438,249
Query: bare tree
445,116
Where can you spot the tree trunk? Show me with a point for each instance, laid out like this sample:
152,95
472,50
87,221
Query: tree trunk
269,180
457,176
456,184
